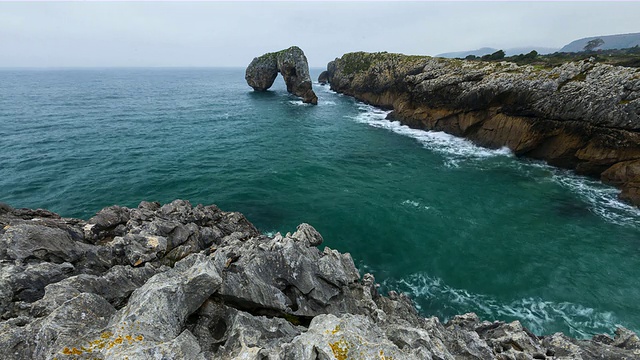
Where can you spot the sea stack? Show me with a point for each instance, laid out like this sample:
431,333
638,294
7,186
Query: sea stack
292,64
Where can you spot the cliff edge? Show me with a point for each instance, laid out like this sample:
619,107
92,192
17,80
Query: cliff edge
292,64
580,115
176,281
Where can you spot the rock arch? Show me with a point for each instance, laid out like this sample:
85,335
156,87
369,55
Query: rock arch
292,64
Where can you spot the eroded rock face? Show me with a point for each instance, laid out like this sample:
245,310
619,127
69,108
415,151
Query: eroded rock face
292,64
215,288
323,78
582,115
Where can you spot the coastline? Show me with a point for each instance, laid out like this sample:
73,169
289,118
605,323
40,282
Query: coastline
580,116
180,281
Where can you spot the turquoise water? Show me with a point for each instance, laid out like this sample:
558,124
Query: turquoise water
460,228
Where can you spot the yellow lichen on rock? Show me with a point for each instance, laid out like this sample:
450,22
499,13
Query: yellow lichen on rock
340,349
102,342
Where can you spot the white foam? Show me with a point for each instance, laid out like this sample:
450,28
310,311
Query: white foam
328,102
602,198
535,313
327,89
455,149
411,202
298,102
415,204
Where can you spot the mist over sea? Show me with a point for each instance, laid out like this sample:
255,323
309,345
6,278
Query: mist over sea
458,227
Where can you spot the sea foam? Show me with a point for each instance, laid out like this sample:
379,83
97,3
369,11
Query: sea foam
454,149
539,315
602,199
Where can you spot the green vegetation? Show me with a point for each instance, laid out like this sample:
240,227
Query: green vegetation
292,319
593,44
498,55
358,61
362,61
622,57
276,54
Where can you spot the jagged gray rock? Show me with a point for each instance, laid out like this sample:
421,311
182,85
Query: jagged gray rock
215,288
292,64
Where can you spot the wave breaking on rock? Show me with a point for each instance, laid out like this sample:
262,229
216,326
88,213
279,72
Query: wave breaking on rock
580,115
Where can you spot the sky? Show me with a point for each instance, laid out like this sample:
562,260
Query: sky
211,34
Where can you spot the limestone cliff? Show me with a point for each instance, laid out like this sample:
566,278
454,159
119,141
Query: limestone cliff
292,64
583,116
176,281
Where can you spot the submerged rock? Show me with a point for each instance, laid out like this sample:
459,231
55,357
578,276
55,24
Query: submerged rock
215,288
292,64
580,115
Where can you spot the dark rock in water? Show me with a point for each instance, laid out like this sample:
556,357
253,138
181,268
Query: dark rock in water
183,282
323,78
292,64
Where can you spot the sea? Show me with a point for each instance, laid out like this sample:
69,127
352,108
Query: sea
457,227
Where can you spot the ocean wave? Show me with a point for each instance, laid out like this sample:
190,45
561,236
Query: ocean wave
298,102
602,199
415,204
454,149
411,202
539,315
327,89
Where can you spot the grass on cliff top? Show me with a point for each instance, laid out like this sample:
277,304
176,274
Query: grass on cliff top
362,61
275,54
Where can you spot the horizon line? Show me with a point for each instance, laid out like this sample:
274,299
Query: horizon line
127,67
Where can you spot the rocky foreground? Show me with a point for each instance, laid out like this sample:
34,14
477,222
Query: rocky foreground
183,282
581,115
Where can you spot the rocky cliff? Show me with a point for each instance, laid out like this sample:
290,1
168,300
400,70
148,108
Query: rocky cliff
181,282
583,116
292,64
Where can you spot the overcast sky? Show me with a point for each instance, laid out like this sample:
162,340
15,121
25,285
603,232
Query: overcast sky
231,34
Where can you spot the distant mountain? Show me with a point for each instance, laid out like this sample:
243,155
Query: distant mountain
621,41
508,52
462,54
